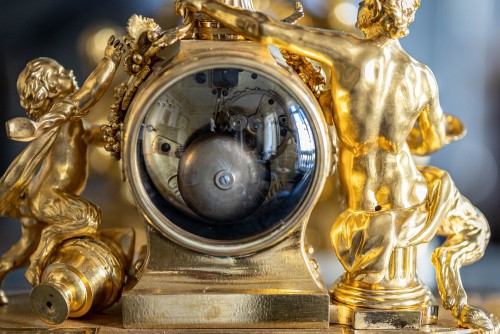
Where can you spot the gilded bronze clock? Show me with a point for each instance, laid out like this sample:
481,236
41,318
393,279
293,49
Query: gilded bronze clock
226,152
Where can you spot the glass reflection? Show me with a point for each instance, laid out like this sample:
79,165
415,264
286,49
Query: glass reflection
227,153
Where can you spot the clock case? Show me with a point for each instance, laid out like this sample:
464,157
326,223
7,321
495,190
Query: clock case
264,282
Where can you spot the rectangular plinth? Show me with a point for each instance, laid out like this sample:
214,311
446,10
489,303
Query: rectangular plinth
371,319
226,310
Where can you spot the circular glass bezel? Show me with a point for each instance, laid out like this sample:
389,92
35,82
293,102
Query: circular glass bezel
158,84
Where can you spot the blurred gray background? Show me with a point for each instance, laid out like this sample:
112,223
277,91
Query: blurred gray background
458,39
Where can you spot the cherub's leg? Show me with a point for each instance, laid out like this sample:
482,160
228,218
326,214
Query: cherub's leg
468,234
73,217
18,255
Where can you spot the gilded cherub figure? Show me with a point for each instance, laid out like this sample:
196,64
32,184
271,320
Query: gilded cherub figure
385,108
41,187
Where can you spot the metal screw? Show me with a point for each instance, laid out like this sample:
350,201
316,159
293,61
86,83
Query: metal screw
224,180
165,147
201,78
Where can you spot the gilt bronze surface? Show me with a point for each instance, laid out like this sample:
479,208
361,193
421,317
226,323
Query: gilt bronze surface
262,281
365,108
385,108
41,187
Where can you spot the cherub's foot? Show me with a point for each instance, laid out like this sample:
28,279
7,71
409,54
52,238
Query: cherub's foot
33,273
475,318
3,298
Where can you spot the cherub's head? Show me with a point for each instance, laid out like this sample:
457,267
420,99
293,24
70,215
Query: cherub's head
43,81
389,18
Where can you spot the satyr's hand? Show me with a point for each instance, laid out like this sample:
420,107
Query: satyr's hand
455,129
114,50
191,5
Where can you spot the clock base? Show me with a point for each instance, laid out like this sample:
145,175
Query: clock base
16,317
274,288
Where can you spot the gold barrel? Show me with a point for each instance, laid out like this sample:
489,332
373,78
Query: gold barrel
84,274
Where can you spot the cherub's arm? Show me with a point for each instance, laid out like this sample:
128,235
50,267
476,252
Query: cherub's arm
325,46
434,128
78,104
99,80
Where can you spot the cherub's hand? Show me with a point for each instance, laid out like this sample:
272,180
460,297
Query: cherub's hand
114,50
191,5
21,129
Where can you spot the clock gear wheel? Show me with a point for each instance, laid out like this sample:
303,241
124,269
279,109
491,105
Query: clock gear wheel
265,127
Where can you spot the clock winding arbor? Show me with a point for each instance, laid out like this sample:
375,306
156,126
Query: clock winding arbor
226,152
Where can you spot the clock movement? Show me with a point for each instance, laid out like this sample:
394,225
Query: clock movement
225,151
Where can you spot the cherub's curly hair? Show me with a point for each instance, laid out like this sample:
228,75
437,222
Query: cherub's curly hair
38,83
394,16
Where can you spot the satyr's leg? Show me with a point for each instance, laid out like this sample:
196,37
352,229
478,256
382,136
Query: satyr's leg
468,234
70,217
18,255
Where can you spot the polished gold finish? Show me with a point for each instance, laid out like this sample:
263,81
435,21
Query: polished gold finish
41,186
268,289
399,298
385,108
83,274
15,319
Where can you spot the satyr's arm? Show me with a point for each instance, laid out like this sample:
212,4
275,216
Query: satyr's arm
435,128
326,46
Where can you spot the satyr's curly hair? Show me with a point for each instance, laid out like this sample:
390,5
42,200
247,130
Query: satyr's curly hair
37,85
393,16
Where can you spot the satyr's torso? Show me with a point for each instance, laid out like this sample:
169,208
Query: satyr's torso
378,95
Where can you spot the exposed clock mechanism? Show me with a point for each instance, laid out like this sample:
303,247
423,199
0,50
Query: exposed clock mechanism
226,154
224,148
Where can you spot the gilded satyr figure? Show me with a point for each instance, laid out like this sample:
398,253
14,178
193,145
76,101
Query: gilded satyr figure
41,187
385,109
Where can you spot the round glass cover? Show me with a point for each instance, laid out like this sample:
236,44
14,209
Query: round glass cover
226,153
